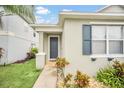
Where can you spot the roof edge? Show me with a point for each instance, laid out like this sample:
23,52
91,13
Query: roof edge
103,8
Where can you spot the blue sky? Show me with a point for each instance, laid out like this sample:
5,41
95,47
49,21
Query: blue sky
48,14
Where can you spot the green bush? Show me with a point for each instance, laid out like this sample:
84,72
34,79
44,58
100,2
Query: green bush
34,50
31,53
112,76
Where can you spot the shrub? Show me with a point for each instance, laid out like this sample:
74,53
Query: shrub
67,80
34,50
112,76
31,54
79,80
61,62
119,68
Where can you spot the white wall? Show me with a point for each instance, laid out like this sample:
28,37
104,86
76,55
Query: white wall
20,43
17,48
19,27
72,49
4,45
45,45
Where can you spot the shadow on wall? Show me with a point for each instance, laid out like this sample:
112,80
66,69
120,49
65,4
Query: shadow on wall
2,52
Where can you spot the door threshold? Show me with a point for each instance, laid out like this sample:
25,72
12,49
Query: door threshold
52,60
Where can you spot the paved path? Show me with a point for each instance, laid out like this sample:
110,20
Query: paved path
47,78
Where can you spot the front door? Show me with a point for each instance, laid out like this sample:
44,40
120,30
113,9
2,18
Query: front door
53,47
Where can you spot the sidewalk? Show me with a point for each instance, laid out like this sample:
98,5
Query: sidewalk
47,78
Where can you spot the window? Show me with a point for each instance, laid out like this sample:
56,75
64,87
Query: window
107,39
34,34
103,39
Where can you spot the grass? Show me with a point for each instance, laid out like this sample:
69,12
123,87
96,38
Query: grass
21,75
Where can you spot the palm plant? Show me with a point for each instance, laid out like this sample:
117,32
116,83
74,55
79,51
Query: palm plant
23,11
1,52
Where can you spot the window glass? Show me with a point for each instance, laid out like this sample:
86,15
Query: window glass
114,32
98,47
98,32
115,47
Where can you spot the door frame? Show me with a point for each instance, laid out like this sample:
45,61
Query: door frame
58,36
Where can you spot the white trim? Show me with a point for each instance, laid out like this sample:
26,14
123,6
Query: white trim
41,53
123,37
49,46
107,56
79,15
4,33
101,9
107,41
44,25
107,23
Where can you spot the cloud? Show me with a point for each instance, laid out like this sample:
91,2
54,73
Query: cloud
51,20
39,19
67,10
42,10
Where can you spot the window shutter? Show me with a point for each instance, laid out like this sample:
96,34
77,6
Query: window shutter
86,39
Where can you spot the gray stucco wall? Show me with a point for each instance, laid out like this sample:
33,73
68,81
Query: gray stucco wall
72,49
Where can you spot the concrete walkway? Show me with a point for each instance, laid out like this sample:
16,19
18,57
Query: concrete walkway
48,77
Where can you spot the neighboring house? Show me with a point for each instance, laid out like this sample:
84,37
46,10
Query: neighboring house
16,38
89,41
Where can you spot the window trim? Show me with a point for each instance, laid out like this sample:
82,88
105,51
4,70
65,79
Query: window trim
105,55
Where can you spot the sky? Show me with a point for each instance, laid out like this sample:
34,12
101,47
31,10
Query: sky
48,14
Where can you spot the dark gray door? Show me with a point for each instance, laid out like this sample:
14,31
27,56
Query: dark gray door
53,47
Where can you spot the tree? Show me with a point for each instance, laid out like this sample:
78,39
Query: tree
24,11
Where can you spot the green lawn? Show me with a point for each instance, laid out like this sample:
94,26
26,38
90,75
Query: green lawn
21,75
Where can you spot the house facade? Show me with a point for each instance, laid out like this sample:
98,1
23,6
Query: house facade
89,41
16,38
